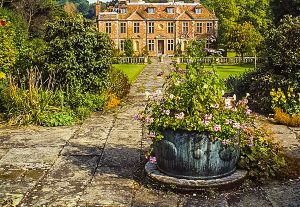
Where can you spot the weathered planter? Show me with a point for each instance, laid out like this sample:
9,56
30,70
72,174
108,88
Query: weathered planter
192,155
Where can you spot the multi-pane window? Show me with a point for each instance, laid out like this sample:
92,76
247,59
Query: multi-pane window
151,45
151,10
150,27
170,27
122,27
122,45
170,44
198,10
136,27
199,27
207,44
209,27
123,10
185,27
108,27
170,10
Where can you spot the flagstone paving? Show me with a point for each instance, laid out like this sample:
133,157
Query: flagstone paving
100,163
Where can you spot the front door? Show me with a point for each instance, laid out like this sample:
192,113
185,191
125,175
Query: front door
161,46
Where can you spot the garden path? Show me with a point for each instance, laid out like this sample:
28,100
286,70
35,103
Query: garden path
100,164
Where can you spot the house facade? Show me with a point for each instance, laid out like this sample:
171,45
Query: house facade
158,28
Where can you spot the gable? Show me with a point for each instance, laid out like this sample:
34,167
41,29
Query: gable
135,16
184,16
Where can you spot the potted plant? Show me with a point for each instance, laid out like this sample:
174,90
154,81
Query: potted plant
194,128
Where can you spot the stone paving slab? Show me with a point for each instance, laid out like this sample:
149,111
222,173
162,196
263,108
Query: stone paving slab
33,157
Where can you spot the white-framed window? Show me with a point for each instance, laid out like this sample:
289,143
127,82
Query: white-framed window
123,10
170,44
170,27
151,45
170,10
150,27
185,27
198,10
123,27
151,10
199,27
122,45
136,27
108,27
209,27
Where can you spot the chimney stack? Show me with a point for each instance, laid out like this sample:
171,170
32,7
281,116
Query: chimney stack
98,8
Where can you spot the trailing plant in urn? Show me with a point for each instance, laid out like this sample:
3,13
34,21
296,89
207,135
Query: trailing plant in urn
195,130
194,101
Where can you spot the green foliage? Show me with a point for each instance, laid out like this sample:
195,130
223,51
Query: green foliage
78,56
261,156
283,48
56,119
8,49
119,81
259,83
286,7
243,38
232,12
196,51
288,101
128,48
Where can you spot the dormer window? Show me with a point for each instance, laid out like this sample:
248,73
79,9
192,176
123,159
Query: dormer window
170,10
198,10
123,10
151,10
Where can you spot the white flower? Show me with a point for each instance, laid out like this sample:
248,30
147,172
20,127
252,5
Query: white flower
171,96
247,94
147,94
223,92
158,92
205,86
234,97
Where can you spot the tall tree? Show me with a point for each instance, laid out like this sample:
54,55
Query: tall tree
281,8
243,38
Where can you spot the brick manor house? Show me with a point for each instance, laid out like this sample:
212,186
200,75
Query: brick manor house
161,28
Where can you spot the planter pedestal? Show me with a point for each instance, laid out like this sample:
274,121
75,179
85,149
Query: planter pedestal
191,185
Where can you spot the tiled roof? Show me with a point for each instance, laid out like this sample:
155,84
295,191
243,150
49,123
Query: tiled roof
161,11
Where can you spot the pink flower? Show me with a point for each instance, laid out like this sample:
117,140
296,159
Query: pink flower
179,116
233,109
167,112
152,159
216,106
136,117
250,142
217,128
228,103
248,112
225,141
228,121
152,135
206,122
236,125
208,117
149,120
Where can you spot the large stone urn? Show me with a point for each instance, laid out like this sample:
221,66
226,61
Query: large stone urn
192,155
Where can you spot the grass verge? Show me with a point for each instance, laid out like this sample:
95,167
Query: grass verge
226,70
131,70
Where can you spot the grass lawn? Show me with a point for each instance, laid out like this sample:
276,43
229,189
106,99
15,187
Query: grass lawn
226,70
131,70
